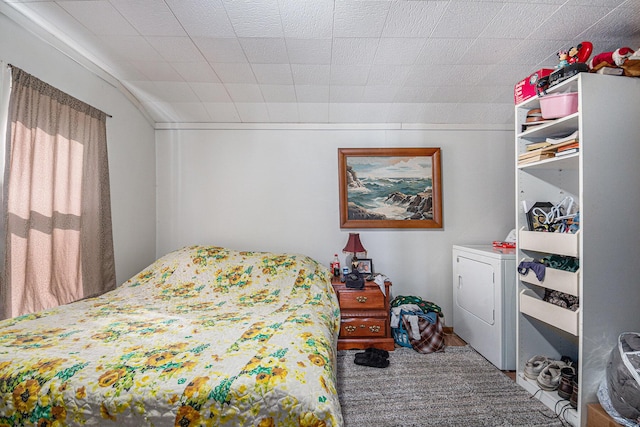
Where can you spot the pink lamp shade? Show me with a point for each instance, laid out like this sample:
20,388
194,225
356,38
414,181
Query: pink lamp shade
354,245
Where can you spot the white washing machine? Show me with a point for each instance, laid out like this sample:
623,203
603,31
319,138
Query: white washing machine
484,301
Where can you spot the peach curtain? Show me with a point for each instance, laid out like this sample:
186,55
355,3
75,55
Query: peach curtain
59,245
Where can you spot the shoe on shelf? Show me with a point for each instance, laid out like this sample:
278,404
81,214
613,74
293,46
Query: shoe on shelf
565,387
534,366
549,378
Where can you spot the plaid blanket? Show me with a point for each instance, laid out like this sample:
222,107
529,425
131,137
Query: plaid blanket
431,335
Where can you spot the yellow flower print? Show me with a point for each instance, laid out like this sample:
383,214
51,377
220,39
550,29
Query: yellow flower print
25,395
59,413
309,419
81,393
27,340
44,366
173,399
159,359
279,373
177,346
44,423
187,416
263,378
104,413
266,422
103,336
110,377
317,359
195,386
2,366
323,383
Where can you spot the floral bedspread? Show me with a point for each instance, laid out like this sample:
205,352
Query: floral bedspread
205,336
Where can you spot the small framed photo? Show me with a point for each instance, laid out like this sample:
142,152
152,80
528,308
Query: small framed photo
536,216
365,266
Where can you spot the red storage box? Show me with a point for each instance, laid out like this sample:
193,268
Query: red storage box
526,88
559,105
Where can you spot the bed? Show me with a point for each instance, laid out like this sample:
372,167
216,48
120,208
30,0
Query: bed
204,336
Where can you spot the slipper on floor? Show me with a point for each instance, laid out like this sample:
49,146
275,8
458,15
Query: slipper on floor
371,350
372,359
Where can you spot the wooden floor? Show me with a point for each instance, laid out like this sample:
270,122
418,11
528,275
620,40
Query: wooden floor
451,339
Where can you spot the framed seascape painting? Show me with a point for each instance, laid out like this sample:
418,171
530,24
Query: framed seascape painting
390,187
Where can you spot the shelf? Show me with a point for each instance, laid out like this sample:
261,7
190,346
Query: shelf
568,162
552,243
559,126
550,399
558,280
531,304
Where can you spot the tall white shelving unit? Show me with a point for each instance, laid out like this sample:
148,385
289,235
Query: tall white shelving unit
604,180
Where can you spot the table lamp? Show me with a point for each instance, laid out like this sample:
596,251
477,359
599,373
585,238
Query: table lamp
352,248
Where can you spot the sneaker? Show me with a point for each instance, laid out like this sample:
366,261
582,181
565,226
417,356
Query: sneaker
534,366
549,377
565,387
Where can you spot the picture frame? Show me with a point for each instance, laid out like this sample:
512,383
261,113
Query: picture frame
365,266
390,187
535,219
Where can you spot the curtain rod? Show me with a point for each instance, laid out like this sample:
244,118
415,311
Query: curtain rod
108,115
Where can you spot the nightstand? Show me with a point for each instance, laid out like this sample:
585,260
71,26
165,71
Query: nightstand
364,316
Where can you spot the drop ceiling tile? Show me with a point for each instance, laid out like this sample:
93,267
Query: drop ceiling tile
398,51
245,93
58,18
184,112
434,75
157,71
278,93
202,18
210,92
382,94
358,113
313,112
234,73
309,51
516,20
222,112
144,90
349,75
176,49
476,94
99,16
568,22
347,94
312,93
278,74
252,112
200,72
489,51
217,49
413,18
354,51
381,74
179,92
261,50
414,94
149,17
134,48
308,74
280,112
360,19
307,19
443,51
127,71
466,19
254,19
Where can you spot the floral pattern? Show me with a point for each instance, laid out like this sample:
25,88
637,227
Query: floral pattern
205,336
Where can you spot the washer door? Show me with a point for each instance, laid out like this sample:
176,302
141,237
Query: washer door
475,291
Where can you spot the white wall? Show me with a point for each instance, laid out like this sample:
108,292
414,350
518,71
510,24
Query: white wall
277,190
131,142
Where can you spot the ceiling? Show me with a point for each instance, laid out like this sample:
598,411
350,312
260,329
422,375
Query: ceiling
327,61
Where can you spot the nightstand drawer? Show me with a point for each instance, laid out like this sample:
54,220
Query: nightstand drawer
364,299
363,327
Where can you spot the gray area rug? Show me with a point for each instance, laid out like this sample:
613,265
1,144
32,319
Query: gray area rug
457,387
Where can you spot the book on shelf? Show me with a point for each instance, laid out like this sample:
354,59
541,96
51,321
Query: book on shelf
567,152
611,71
536,158
569,147
536,145
571,137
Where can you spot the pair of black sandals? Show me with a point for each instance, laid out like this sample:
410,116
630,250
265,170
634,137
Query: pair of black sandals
373,357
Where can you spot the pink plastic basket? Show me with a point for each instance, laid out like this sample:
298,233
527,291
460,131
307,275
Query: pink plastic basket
559,105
